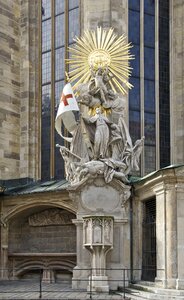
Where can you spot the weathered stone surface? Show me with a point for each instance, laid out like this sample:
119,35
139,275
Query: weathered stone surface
177,82
18,94
167,186
25,238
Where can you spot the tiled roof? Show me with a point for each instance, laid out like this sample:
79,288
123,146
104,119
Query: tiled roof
37,187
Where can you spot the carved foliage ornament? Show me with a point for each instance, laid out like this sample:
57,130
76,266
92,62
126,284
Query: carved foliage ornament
53,216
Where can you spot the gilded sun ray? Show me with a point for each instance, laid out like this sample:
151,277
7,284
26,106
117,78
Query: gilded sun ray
101,49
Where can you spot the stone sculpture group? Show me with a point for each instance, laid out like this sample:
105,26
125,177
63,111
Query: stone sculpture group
101,143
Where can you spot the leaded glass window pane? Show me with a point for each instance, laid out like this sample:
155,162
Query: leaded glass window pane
134,94
134,127
59,6
134,4
149,30
149,63
73,3
46,9
150,158
134,27
59,31
149,96
135,63
46,67
73,24
46,35
149,6
58,90
149,128
60,63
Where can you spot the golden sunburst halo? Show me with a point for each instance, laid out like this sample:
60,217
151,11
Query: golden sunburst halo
101,49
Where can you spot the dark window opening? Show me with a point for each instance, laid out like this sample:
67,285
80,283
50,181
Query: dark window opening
149,240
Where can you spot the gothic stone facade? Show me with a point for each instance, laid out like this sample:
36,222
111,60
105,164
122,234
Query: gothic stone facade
20,151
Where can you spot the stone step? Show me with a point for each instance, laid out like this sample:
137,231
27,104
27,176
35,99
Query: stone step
138,292
157,290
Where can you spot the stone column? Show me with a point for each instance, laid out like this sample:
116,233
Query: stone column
160,234
137,217
171,236
180,234
166,231
82,270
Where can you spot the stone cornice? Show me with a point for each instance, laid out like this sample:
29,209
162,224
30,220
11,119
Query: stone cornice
164,179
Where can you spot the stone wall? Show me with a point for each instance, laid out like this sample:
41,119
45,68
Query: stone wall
18,89
50,237
29,92
9,89
177,81
36,228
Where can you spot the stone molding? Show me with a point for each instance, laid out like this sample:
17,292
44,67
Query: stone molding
163,180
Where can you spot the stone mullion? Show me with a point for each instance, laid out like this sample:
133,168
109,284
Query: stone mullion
66,36
52,129
142,81
40,89
172,58
157,84
66,52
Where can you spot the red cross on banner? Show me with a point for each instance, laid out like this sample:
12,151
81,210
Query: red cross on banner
68,104
65,97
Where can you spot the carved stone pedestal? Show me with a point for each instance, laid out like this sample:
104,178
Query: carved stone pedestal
98,240
102,225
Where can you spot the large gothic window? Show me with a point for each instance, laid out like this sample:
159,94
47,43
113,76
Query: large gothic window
60,23
149,99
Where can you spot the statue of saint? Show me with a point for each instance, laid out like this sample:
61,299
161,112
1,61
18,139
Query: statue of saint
101,136
101,146
97,85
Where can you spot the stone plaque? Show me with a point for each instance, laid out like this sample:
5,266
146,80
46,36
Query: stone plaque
100,198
